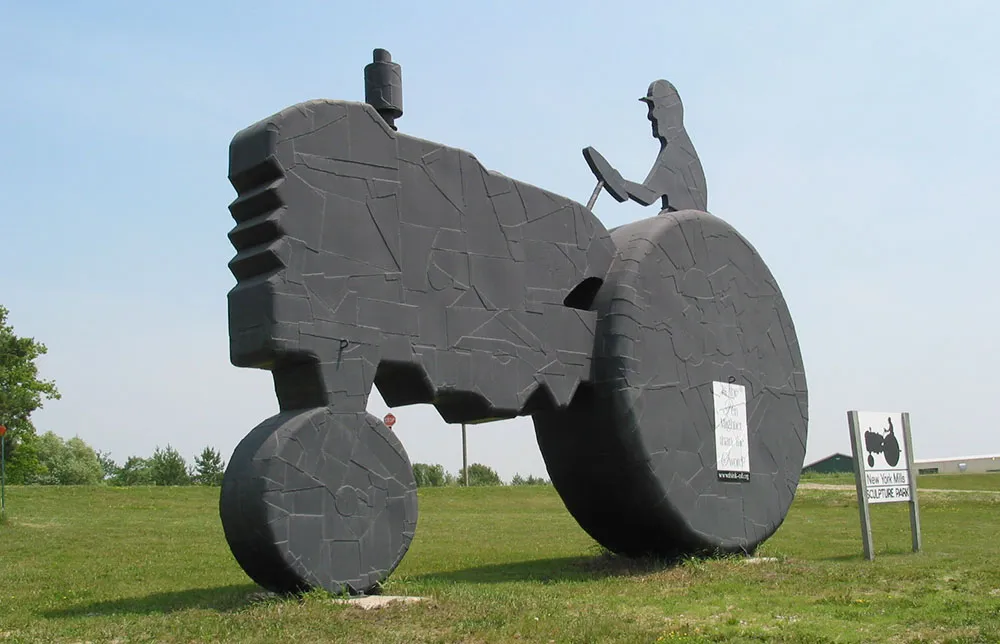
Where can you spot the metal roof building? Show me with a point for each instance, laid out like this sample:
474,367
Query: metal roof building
833,463
958,464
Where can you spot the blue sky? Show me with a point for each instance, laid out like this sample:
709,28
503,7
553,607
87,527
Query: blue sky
853,143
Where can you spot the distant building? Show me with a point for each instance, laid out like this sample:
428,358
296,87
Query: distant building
832,464
962,465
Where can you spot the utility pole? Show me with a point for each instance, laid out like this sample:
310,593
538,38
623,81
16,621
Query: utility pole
465,456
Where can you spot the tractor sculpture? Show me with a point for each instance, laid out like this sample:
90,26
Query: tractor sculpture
657,360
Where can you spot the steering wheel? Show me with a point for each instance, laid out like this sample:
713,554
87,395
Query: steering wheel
612,180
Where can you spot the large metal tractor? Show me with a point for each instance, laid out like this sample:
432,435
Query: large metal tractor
657,360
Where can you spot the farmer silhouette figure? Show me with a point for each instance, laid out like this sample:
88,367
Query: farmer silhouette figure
676,177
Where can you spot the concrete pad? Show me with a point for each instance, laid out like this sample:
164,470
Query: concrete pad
370,602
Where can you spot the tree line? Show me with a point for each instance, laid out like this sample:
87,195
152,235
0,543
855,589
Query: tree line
51,460
479,475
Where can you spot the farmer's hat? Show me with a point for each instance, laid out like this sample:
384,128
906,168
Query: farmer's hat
659,91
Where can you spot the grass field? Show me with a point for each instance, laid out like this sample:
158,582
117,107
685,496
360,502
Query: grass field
499,564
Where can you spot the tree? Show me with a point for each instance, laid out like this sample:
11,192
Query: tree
209,467
529,480
108,465
83,467
62,462
135,471
26,466
49,453
168,467
429,475
21,394
480,474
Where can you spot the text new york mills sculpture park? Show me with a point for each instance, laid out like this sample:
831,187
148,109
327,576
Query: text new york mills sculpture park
657,360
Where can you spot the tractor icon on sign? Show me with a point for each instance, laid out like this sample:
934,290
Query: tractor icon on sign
887,445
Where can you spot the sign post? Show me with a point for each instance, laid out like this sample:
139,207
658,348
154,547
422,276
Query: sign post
914,506
3,470
883,468
465,456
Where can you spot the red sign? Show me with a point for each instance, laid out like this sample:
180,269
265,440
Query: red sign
389,420
3,430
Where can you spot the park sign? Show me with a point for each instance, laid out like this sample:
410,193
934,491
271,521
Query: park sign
886,466
883,467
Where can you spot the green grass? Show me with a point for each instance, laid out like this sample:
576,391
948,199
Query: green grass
499,565
989,481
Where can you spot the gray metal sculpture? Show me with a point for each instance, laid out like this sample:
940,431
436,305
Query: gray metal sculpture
366,257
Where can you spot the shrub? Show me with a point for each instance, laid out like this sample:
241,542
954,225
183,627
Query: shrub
480,475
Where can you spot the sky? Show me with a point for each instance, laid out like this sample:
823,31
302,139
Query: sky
853,143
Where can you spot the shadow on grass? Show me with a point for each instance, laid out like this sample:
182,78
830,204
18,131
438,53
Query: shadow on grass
579,568
860,555
222,599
